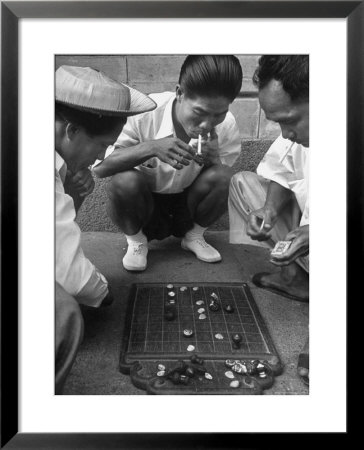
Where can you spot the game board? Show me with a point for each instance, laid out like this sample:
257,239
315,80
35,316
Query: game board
151,341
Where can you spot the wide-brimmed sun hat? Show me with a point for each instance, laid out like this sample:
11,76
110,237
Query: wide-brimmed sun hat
90,90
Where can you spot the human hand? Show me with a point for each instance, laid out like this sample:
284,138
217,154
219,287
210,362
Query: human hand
209,150
260,223
299,246
173,151
82,182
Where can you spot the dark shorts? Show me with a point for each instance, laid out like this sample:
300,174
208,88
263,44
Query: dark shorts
171,216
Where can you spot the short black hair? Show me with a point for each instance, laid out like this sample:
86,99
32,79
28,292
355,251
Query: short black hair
291,70
207,75
93,124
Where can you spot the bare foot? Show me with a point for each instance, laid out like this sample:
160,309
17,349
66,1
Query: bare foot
291,281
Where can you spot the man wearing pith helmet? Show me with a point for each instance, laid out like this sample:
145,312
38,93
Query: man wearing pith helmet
90,112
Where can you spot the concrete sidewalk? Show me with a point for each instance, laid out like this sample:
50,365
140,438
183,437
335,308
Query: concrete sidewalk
95,371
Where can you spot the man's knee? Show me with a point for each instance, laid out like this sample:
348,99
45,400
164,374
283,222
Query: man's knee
68,314
126,185
218,177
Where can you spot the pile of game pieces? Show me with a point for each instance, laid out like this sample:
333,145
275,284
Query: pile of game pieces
183,372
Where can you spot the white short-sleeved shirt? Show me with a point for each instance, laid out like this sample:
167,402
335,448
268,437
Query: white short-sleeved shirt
158,124
74,272
287,163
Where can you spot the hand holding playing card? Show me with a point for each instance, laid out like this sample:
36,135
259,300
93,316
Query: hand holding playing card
299,246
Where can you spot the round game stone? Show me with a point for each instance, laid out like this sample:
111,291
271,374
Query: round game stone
229,374
237,338
172,301
161,373
169,315
187,332
190,372
199,302
208,376
235,384
195,288
201,310
214,296
262,375
170,286
229,309
202,316
214,306
230,362
171,294
219,336
183,288
183,379
190,348
161,367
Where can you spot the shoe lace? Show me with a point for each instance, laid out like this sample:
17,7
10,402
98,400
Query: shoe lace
202,243
137,248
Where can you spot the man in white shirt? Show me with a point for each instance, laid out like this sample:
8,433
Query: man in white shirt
90,112
160,186
273,204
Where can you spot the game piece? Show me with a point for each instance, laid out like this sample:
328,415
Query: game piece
262,375
236,339
214,306
214,296
199,302
183,288
202,316
172,301
195,288
201,310
170,286
235,384
280,248
229,309
229,374
187,332
230,362
190,348
183,379
239,368
190,372
171,294
161,373
219,336
161,367
208,376
169,315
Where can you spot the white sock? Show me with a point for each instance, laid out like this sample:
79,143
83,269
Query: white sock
139,237
196,232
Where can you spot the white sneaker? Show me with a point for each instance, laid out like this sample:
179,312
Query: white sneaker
203,250
136,256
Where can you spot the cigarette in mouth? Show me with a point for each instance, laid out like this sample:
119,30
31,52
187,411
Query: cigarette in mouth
199,145
262,225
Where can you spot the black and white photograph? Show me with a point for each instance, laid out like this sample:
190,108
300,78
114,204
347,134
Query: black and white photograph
157,190
182,224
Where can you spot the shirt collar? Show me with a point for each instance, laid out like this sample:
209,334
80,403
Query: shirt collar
166,128
61,166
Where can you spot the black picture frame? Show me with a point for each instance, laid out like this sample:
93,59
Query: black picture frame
11,13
